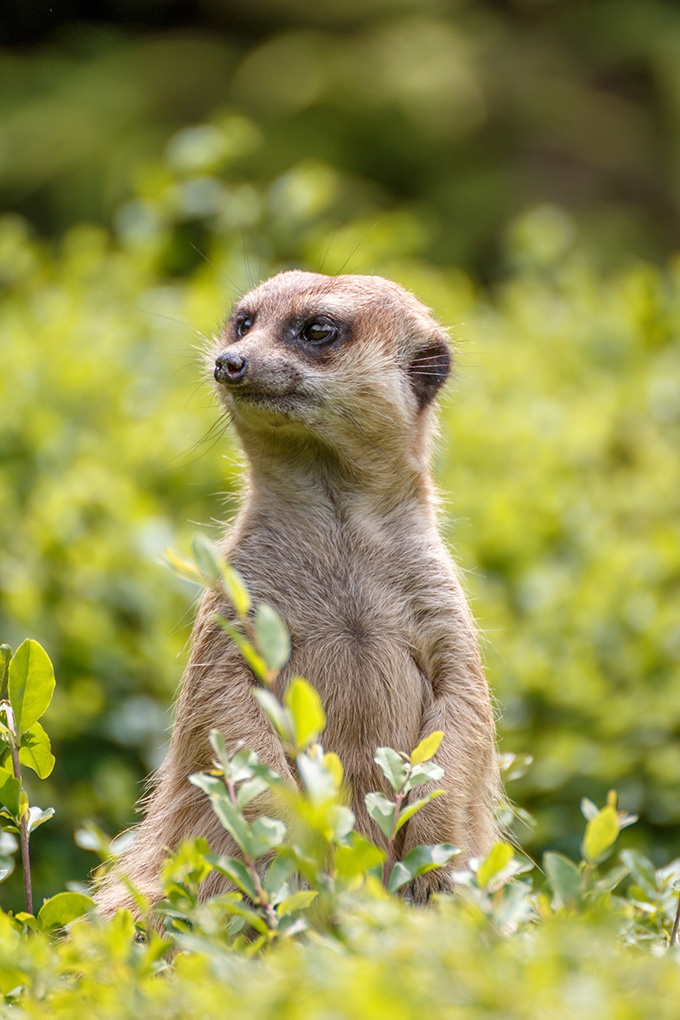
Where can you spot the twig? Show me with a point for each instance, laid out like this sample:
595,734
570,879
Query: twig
675,934
23,833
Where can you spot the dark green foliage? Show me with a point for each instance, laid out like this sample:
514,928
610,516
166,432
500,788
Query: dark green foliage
558,462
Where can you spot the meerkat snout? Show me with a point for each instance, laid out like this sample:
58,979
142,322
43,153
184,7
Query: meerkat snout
230,367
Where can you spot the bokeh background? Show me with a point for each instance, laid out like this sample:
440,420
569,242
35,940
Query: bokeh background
514,162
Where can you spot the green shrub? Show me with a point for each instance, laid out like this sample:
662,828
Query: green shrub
313,924
558,464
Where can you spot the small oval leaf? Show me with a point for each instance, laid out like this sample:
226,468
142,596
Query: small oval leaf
63,908
36,751
271,637
494,864
307,711
601,833
31,684
427,747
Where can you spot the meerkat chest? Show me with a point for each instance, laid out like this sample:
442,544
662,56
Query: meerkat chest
351,629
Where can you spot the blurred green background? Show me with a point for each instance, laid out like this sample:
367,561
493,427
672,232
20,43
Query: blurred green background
517,164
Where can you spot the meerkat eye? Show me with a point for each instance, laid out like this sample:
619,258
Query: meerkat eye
317,331
244,324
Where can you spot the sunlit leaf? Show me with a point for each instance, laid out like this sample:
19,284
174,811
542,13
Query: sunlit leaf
427,747
494,863
358,857
307,711
297,901
31,684
601,833
10,789
417,805
36,751
63,908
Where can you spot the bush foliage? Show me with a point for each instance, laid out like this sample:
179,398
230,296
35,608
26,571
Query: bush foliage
558,466
316,898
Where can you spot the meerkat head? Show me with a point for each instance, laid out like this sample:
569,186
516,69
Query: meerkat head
344,359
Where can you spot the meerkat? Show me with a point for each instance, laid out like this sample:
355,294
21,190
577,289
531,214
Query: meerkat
330,383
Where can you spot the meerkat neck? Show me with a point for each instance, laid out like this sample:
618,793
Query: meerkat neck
312,474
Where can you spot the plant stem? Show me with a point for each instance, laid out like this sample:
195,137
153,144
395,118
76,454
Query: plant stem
389,860
23,833
262,897
675,934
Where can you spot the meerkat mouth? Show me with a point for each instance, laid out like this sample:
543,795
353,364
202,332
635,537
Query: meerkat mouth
268,405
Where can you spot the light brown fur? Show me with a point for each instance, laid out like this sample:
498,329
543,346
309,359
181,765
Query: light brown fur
338,532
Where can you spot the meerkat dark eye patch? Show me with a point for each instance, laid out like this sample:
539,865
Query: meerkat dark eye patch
428,371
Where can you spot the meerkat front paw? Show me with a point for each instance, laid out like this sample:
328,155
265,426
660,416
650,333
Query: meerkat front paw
421,888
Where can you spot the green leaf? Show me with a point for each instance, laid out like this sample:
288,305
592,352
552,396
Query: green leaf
298,901
610,881
254,919
588,809
417,805
642,870
271,637
381,811
5,656
230,817
212,785
358,857
514,766
10,789
251,789
494,864
36,816
63,908
277,715
220,748
307,711
266,833
208,556
601,833
36,751
31,684
236,590
8,844
247,650
340,821
237,872
182,567
426,772
427,747
276,877
418,861
564,877
392,765
316,780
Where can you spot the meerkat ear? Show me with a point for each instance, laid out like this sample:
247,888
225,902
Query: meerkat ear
429,369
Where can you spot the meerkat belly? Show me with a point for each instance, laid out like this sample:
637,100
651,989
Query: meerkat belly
371,689
350,640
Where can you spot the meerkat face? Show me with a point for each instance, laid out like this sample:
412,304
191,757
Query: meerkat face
312,352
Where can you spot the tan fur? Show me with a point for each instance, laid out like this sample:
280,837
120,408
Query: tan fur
338,532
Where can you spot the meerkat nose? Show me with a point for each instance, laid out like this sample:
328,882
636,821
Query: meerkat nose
230,367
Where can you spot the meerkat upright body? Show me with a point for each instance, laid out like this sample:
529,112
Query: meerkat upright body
331,383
